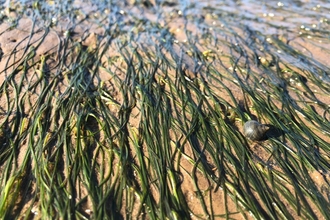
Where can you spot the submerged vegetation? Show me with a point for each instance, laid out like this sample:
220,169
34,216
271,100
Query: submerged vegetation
136,111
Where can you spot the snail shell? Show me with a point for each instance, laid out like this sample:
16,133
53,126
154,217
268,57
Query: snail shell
254,131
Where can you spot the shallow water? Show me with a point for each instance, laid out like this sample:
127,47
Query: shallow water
266,60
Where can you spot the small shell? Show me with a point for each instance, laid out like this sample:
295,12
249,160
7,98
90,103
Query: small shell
254,131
